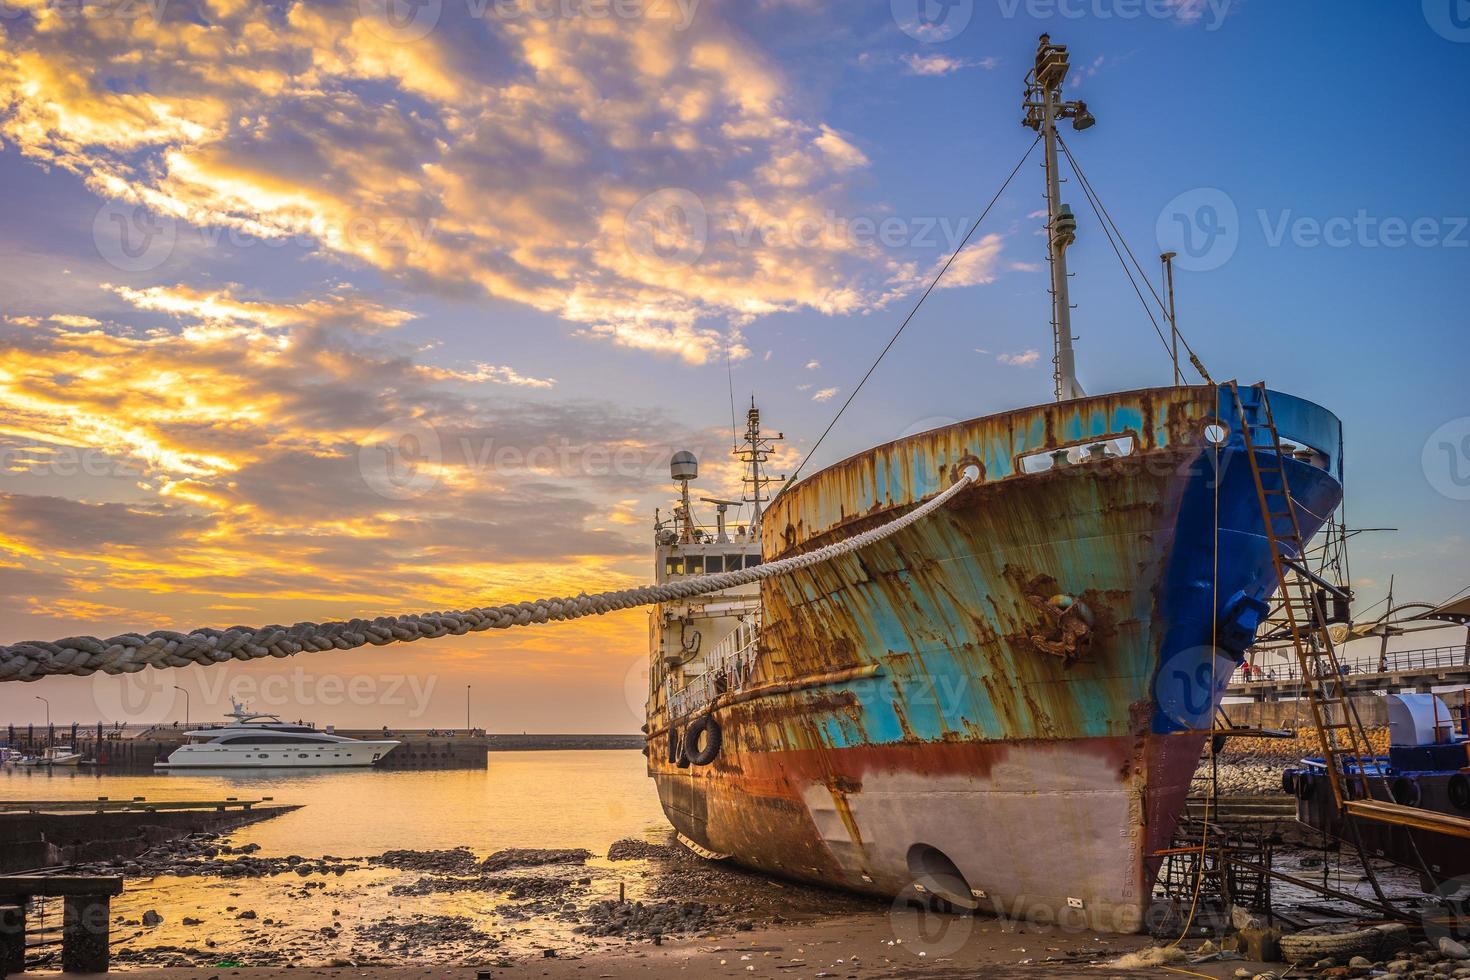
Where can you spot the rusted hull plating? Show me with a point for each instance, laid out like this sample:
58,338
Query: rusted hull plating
1003,704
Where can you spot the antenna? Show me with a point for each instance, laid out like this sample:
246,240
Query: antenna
757,449
720,507
730,383
1168,259
1044,106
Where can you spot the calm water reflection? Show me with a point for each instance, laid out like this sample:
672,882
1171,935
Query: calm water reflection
520,799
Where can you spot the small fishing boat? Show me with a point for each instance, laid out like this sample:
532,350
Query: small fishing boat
56,755
1426,768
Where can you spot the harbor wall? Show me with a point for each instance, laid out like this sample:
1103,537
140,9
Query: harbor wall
1253,764
1372,709
48,838
419,749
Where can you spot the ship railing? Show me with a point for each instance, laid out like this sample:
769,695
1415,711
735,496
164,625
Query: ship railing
1393,662
729,666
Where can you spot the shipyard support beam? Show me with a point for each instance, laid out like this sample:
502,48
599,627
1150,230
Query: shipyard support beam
131,652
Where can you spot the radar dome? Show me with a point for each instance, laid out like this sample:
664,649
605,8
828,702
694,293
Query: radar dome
684,466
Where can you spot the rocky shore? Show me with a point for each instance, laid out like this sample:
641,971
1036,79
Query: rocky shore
1253,766
436,906
453,913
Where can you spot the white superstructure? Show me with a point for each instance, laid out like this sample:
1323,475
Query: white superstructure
262,741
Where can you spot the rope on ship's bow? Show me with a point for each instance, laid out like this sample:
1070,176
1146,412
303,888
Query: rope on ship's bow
130,652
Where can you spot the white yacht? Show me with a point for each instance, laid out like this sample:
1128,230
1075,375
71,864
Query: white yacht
252,740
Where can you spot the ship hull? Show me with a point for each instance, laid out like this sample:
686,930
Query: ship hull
1047,828
931,723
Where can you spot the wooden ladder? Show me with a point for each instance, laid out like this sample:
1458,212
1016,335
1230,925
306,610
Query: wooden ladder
1340,731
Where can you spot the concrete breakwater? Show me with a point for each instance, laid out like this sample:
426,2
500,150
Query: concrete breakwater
1252,765
418,749
50,833
543,743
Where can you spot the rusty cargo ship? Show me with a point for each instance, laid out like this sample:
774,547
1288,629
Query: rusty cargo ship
1002,705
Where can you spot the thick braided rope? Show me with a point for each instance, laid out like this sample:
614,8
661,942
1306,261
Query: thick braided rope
82,655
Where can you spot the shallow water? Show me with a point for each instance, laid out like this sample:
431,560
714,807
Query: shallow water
520,799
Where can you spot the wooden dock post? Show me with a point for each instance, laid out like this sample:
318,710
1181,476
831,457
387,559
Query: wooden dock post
84,929
12,938
84,933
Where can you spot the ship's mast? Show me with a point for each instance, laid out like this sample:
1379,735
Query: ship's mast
757,449
1044,106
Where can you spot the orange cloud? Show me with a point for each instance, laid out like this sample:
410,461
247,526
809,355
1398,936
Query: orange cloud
606,170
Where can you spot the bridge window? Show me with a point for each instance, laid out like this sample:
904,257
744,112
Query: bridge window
714,563
673,566
694,564
751,560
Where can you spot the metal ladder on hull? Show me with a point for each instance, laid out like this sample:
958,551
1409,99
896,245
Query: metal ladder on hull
1340,731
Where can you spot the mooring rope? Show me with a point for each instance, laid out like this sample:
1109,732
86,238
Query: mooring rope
130,652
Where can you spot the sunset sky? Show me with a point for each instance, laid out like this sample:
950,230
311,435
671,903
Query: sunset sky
246,246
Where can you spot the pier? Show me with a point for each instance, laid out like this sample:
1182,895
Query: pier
110,751
51,833
1388,673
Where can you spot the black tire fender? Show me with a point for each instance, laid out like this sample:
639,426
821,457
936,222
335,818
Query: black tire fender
1288,783
707,729
1459,791
1406,791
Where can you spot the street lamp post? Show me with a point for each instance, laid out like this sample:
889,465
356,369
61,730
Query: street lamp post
186,703
467,709
48,719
